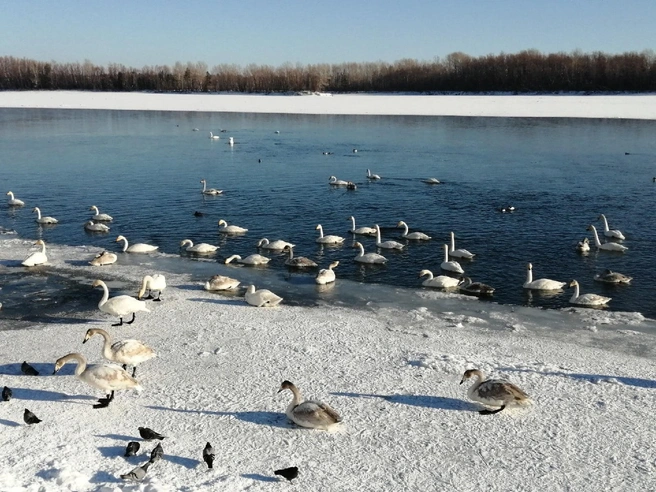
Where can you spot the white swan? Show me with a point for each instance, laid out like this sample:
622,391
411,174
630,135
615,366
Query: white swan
458,253
475,288
106,377
450,265
231,229
120,305
610,246
386,244
365,231
14,202
209,191
98,217
583,246
369,257
252,260
126,352
586,299
494,392
613,233
277,245
152,283
200,248
329,239
610,277
326,275
439,282
38,258
214,137
311,414
372,176
221,282
43,220
541,283
333,181
104,258
231,141
432,181
91,226
417,236
298,261
261,297
136,248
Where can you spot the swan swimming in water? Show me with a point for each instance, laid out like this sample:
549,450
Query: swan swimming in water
333,181
43,220
583,246
125,352
214,137
326,275
386,244
98,217
136,248
365,231
610,246
152,283
432,181
439,282
277,245
261,297
104,258
231,229
209,191
417,236
450,265
329,239
91,226
458,253
309,413
475,288
221,282
541,283
372,176
298,261
120,305
253,260
586,299
612,233
610,277
200,248
38,258
14,202
493,392
369,258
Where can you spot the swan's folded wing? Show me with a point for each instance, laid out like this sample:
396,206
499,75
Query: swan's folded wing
318,411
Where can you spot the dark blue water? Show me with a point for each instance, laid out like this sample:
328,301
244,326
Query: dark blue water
144,169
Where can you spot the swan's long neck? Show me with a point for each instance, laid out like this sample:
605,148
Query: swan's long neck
606,228
11,196
405,229
378,239
320,230
446,253
81,362
479,378
576,292
105,294
429,274
352,223
529,275
291,253
251,289
38,212
296,399
594,231
361,249
95,210
453,243
144,285
204,183
43,248
107,344
233,257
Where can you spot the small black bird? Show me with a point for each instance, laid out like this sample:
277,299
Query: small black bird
198,214
289,473
137,474
6,394
30,418
156,453
149,434
208,455
133,447
28,370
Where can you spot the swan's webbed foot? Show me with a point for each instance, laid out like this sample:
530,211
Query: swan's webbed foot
104,402
120,323
491,412
125,367
148,297
159,298
134,315
134,371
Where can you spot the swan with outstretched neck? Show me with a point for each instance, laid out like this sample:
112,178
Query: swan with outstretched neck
136,248
541,283
612,233
38,258
125,352
587,299
416,236
298,261
372,176
450,265
209,191
14,202
387,244
98,217
309,413
43,220
369,258
610,246
439,282
329,239
495,393
458,253
120,305
364,231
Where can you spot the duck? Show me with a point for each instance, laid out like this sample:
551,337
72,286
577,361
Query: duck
38,258
43,220
333,181
583,246
209,191
612,233
417,236
152,283
231,229
432,181
126,352
458,253
610,246
14,202
277,245
610,277
309,413
326,275
98,217
104,258
329,239
439,282
200,248
136,248
387,244
450,265
369,258
120,305
91,226
298,261
364,231
261,297
106,377
214,137
372,176
495,393
587,299
221,282
475,288
253,260
541,283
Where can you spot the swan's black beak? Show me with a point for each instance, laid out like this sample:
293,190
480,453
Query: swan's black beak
55,371
280,390
462,381
85,340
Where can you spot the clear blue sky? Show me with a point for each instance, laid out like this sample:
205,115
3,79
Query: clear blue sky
148,32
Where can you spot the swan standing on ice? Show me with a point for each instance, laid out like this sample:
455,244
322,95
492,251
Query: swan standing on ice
152,283
329,239
125,352
308,413
493,392
458,253
450,265
277,245
541,283
200,248
298,261
231,229
14,202
261,297
417,236
91,226
252,260
214,137
136,248
104,258
439,282
610,277
120,305
333,181
98,217
106,377
586,299
612,233
38,258
372,176
43,220
369,258
221,282
364,231
209,191
583,246
475,288
386,244
326,275
606,246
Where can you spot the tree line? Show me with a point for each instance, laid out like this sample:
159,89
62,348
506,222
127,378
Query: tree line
526,71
